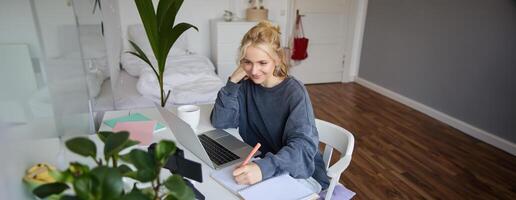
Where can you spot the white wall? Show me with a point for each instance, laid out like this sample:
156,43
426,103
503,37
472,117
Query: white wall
453,62
278,12
20,28
199,13
53,16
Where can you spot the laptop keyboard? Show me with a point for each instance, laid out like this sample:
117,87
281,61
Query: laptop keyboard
217,153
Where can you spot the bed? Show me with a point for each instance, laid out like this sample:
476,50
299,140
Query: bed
189,76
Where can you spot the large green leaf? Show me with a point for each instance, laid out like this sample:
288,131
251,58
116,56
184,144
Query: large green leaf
161,33
140,54
103,135
130,143
124,169
164,149
135,195
139,158
84,186
146,11
168,17
178,189
171,197
69,197
167,20
168,38
144,163
82,146
115,143
143,175
147,191
110,185
48,189
76,169
61,176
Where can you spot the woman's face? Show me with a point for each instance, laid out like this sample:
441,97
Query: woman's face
258,65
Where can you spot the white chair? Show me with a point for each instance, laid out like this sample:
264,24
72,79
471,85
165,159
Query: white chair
343,141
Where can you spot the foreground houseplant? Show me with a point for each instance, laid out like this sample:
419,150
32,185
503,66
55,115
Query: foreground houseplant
104,181
162,35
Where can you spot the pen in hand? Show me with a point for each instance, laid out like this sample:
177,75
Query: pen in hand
248,158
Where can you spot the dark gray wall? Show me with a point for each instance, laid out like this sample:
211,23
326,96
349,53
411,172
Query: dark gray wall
456,56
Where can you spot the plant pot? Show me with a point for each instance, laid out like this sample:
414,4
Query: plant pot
253,14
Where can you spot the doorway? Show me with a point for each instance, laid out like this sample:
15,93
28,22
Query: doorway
334,28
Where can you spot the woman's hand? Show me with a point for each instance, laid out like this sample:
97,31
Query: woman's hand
238,74
248,174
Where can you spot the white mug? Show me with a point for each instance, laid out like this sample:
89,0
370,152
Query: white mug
190,114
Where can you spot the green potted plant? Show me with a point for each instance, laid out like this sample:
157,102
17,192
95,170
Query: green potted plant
104,181
162,34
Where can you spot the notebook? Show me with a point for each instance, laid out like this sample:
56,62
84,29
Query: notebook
278,187
140,131
134,117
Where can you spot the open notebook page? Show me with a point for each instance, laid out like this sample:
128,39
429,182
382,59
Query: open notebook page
279,187
224,177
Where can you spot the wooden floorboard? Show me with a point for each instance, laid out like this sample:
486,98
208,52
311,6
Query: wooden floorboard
401,153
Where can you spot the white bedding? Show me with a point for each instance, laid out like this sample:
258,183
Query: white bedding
190,78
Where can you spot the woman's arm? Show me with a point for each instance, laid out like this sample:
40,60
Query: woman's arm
225,113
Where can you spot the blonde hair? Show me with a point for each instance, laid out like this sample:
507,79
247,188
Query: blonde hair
266,37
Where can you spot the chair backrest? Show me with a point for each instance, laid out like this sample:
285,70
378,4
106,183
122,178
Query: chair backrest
334,137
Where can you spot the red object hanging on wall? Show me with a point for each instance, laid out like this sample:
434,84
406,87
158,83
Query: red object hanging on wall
300,46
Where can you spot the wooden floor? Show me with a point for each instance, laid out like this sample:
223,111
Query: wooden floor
401,153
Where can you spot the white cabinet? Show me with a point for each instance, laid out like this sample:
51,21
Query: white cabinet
226,37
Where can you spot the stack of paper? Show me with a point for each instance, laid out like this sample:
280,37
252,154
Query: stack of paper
140,127
131,118
139,130
279,187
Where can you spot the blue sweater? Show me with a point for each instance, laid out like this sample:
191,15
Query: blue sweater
281,119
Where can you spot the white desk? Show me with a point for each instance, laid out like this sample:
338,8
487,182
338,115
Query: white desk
19,156
209,188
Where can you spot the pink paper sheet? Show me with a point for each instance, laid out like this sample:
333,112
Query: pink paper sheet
138,130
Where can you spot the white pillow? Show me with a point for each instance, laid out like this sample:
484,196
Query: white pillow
137,34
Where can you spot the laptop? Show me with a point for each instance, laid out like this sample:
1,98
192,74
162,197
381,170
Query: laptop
217,148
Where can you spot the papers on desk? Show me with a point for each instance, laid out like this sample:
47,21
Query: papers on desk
224,176
279,187
140,131
132,118
139,126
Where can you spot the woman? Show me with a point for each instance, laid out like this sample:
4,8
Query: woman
271,108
